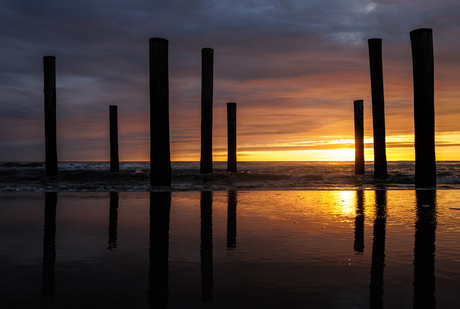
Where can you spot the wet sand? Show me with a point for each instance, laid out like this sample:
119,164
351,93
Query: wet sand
261,249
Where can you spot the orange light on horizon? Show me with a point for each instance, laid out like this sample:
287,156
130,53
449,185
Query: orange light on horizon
399,148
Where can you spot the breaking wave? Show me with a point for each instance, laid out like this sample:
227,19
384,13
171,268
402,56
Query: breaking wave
134,176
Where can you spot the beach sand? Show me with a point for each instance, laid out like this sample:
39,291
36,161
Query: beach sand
256,249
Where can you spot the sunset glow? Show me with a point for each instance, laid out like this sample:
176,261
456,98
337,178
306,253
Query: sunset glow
293,70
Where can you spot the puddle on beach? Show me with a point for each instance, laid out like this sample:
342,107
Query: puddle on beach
263,249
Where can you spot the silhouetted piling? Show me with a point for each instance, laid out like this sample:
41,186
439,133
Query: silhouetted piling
49,246
231,137
422,64
359,137
378,107
160,159
49,69
114,162
207,61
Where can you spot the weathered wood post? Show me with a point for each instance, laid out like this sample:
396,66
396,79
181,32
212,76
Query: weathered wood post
423,75
359,137
114,162
207,60
160,158
49,69
378,107
231,137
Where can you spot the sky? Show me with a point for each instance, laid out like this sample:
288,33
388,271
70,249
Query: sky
294,69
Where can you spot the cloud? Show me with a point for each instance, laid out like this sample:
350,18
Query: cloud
294,68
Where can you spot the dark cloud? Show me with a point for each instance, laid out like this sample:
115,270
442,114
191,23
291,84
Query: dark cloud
293,67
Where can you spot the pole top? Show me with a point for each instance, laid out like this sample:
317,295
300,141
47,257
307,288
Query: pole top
231,103
374,39
49,57
113,105
421,30
207,49
152,40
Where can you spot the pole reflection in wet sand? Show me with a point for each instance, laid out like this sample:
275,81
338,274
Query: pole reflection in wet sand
231,220
207,279
49,246
378,250
160,208
113,218
359,223
424,249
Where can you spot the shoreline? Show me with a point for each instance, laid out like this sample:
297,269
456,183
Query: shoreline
186,176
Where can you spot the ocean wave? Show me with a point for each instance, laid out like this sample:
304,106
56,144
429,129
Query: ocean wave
135,176
448,179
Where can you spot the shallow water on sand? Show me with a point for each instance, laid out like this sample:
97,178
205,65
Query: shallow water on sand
256,249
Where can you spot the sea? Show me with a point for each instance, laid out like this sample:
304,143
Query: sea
298,175
272,235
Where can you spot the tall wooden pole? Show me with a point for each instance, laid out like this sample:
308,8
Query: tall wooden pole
422,63
207,60
359,137
378,107
231,137
49,69
160,158
114,162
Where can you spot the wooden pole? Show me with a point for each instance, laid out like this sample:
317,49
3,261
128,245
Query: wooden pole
231,137
49,69
422,64
378,107
160,159
359,137
114,162
207,60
